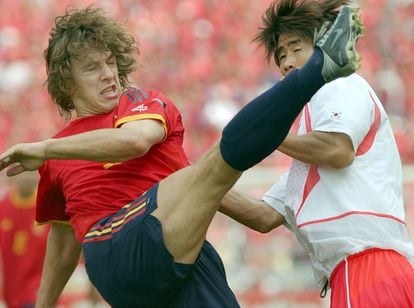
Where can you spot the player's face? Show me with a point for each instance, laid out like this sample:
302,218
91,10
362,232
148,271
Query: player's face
293,52
97,86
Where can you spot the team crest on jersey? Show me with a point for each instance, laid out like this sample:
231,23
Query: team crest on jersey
336,115
140,108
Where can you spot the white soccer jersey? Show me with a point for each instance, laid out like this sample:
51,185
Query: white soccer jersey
334,212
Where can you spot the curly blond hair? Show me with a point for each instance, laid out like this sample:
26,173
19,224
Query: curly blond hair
76,33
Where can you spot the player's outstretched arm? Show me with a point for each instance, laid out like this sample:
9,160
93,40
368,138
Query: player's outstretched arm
133,139
251,212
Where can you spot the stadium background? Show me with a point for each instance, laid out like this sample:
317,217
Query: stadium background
200,53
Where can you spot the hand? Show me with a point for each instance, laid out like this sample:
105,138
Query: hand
23,157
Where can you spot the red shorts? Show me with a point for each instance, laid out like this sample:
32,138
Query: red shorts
373,278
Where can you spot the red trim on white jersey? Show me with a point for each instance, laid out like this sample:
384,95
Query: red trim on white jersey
311,181
368,141
308,123
348,214
313,174
314,177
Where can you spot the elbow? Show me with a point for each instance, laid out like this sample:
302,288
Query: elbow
263,228
341,161
136,149
271,225
260,225
269,222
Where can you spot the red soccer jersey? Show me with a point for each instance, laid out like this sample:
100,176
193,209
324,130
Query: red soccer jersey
22,247
85,192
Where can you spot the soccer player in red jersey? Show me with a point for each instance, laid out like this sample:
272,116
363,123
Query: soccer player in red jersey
22,245
116,182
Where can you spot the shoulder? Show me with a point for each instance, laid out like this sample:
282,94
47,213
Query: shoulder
353,88
139,95
134,95
138,104
346,85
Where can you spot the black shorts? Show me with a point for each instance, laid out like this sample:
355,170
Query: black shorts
127,261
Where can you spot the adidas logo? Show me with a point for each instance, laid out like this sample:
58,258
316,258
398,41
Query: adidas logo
140,108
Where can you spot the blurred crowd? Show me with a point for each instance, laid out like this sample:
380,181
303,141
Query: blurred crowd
201,54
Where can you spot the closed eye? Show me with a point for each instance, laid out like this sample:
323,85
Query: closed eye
90,68
111,60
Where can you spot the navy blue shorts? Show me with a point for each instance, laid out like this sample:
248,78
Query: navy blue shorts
127,261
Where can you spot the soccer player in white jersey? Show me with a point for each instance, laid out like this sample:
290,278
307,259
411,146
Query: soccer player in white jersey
342,196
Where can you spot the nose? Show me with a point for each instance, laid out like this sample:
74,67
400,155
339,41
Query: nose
107,73
289,63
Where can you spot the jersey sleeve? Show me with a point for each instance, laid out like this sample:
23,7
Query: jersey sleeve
138,104
276,195
50,203
341,107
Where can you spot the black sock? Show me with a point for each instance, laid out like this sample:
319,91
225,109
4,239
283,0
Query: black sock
262,125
